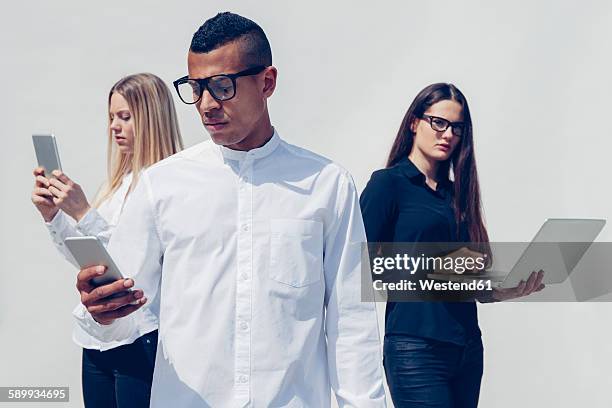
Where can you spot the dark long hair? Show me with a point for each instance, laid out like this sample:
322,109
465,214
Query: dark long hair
461,165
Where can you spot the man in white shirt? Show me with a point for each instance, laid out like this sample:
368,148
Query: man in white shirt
249,249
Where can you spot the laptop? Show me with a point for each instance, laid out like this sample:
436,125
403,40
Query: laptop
556,248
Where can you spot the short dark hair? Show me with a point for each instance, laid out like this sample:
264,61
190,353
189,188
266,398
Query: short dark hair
227,27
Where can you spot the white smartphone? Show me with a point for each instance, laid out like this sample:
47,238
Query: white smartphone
47,153
89,251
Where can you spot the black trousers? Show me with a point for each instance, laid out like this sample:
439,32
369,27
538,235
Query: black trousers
425,373
120,377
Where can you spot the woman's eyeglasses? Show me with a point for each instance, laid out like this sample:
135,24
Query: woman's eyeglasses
440,125
222,87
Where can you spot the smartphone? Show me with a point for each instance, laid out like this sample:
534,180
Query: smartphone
47,153
89,251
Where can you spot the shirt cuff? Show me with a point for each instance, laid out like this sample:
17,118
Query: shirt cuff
58,228
92,223
57,224
118,330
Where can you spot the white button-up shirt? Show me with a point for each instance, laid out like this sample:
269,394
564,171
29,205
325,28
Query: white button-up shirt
100,223
254,258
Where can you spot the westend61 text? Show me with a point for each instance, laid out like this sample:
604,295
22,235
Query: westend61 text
431,285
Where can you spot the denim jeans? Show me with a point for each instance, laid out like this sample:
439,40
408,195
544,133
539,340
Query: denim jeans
120,377
427,373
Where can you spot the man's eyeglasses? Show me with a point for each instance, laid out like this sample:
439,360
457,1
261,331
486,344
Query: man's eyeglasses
440,125
222,87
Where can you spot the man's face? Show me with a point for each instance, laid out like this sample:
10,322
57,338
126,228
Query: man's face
231,122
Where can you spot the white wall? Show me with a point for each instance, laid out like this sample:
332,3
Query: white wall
537,75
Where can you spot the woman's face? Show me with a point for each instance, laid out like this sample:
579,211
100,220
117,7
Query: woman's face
436,144
121,123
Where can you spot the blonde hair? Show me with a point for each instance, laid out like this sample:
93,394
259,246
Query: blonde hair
156,130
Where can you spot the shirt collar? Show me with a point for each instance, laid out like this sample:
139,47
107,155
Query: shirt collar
257,153
412,172
409,169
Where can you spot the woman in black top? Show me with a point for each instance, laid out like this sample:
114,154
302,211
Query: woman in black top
433,353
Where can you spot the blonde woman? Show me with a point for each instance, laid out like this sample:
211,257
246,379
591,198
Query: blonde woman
143,130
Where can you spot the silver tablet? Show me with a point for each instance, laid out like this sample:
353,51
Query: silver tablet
556,249
47,153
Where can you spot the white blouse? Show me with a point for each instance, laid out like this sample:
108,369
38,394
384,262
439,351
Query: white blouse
99,223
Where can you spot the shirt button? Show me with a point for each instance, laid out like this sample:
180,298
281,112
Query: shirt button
245,227
242,379
244,325
60,244
53,232
244,276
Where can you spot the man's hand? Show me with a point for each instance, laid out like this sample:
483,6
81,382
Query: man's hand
95,299
533,284
68,195
42,197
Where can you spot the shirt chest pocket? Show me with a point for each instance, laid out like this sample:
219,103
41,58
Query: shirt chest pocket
296,251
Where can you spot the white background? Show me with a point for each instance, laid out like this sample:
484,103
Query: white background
537,77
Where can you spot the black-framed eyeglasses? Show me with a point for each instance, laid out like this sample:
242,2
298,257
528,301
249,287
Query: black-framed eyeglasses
440,125
222,87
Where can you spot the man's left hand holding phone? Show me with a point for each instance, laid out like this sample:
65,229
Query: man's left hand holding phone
104,291
102,301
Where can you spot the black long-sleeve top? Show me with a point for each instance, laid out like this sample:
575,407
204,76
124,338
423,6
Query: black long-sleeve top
398,206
